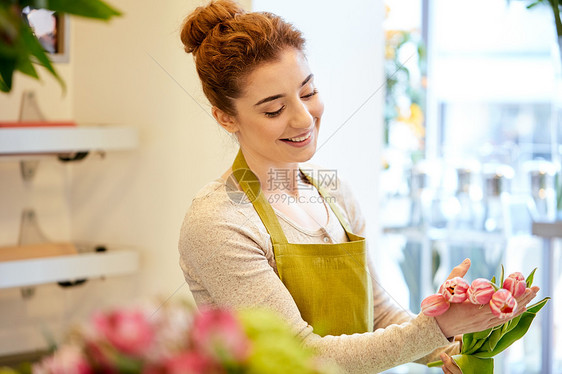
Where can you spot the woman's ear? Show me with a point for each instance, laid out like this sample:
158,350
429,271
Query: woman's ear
227,121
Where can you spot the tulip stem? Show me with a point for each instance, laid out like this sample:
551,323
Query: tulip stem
435,364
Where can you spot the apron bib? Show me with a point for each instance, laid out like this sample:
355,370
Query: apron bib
329,283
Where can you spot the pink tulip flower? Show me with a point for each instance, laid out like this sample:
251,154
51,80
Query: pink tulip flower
503,304
454,290
434,305
515,283
129,331
217,331
191,363
480,291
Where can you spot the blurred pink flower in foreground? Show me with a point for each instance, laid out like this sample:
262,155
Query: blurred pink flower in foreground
434,305
217,332
503,304
190,363
454,290
178,339
480,291
515,283
127,330
68,360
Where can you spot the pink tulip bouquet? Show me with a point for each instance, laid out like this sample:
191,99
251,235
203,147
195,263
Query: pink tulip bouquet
177,340
478,348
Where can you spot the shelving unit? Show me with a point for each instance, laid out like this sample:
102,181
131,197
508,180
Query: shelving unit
28,145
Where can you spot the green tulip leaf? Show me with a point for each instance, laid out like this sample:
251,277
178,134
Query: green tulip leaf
473,341
474,365
513,323
470,364
516,333
535,308
468,341
475,347
494,338
482,334
502,275
530,278
504,328
435,364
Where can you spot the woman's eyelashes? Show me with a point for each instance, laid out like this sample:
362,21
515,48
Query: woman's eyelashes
278,112
314,92
274,114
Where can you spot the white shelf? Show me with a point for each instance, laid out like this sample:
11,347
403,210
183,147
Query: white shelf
14,141
68,268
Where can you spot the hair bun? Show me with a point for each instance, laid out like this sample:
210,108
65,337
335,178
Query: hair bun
202,20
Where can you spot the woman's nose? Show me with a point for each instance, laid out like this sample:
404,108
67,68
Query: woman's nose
301,117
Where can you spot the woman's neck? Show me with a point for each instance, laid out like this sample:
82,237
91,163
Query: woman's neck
275,177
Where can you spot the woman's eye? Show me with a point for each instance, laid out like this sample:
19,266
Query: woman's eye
276,113
314,92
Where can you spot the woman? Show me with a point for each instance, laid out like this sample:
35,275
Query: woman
268,233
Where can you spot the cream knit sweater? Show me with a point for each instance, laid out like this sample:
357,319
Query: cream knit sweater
227,259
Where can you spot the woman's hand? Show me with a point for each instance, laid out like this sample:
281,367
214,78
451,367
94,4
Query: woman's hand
466,317
449,365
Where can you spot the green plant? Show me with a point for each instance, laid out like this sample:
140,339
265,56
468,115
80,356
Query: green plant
20,49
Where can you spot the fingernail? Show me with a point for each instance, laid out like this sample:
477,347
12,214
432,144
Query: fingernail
466,260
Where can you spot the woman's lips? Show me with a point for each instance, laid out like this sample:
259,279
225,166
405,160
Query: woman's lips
299,141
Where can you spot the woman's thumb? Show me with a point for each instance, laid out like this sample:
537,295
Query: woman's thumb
460,270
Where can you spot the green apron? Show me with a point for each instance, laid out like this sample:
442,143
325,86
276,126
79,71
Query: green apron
330,283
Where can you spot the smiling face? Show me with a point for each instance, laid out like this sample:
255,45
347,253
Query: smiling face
278,115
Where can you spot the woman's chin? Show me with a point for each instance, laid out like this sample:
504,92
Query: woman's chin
306,156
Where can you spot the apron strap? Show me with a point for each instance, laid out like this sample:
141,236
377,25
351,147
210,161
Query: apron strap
251,187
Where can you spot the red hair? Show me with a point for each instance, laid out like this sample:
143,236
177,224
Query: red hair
227,44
